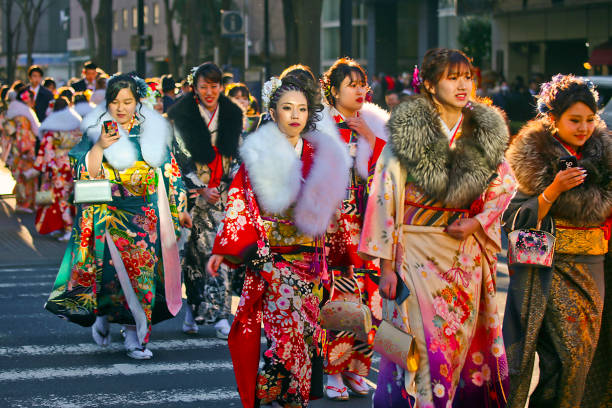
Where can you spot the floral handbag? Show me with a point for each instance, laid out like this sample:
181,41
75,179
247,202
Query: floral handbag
395,344
531,247
347,315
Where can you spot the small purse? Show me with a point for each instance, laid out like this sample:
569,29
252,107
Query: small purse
531,247
396,345
44,197
346,315
92,191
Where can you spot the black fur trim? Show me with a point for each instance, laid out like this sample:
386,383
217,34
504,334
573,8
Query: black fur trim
186,117
534,158
457,176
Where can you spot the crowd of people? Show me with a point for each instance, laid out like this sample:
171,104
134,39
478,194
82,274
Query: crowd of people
325,198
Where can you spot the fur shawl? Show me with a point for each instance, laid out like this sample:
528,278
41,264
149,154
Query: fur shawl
534,158
83,108
18,108
193,130
66,119
155,137
376,118
275,172
454,176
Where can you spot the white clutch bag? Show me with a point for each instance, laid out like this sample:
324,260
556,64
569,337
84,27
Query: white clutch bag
92,191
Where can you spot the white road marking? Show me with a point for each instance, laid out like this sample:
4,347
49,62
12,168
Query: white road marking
131,398
55,373
26,295
92,348
25,284
30,269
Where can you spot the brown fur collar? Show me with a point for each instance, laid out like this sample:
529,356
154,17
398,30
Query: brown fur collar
456,176
534,158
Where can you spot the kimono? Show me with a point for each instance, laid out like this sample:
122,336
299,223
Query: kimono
345,352
558,311
422,184
279,204
21,126
205,146
61,133
122,258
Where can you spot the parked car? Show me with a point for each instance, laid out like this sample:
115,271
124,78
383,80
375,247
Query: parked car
603,84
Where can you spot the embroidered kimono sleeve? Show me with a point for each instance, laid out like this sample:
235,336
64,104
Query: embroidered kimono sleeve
378,236
177,194
238,236
497,198
46,153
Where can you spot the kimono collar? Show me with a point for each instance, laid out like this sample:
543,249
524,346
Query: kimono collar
18,108
275,171
154,138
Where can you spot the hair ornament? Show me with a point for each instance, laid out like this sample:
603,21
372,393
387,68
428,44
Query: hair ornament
141,85
268,91
558,83
191,75
416,80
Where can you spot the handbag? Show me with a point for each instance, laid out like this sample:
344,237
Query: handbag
531,247
44,197
346,315
396,345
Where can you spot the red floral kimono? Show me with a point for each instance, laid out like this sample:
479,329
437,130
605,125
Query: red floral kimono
345,352
269,225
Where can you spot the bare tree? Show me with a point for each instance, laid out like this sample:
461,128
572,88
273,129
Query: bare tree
87,6
175,46
303,29
13,34
104,23
31,12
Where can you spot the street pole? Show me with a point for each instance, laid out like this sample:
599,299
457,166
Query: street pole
246,35
141,65
267,38
346,28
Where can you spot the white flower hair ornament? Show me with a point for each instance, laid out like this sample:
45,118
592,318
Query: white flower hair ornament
191,75
268,91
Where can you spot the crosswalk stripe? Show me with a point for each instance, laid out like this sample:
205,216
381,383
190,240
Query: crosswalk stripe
30,269
132,398
26,295
112,370
92,348
25,284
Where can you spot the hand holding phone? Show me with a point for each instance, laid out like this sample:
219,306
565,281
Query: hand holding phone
568,162
109,134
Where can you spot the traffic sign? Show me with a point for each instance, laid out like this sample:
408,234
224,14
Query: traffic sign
232,23
141,42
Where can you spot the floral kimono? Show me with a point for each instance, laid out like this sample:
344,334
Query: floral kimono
21,126
558,311
205,146
345,352
278,203
122,259
451,308
61,133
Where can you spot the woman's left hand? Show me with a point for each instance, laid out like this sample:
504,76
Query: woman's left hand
185,220
463,228
361,127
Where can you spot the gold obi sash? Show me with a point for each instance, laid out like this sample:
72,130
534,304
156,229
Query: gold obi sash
574,240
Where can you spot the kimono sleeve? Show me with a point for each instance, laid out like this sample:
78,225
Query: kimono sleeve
177,194
238,238
379,233
77,159
497,197
42,157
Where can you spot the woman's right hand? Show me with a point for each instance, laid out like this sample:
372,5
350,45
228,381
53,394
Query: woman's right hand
107,139
567,179
210,195
213,264
388,280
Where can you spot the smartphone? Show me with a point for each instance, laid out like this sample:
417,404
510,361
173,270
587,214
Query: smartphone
568,162
110,127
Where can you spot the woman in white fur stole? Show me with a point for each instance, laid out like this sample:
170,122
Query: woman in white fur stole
21,127
60,132
362,130
281,201
124,252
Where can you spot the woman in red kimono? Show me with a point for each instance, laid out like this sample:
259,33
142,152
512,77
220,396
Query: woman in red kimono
363,132
280,203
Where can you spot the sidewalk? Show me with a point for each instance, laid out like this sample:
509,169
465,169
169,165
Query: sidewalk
20,244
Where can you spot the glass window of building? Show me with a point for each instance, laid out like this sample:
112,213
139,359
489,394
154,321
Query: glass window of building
115,21
134,17
155,13
330,33
125,18
146,15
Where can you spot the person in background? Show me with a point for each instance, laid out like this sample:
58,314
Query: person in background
228,78
88,81
240,95
22,125
50,84
60,132
42,96
392,99
169,91
207,131
186,87
97,97
81,105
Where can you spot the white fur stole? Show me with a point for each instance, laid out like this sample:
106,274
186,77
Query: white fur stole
63,120
18,108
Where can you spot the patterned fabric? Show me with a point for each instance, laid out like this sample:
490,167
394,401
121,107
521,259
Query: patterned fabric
53,163
88,283
21,159
209,297
279,291
451,309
